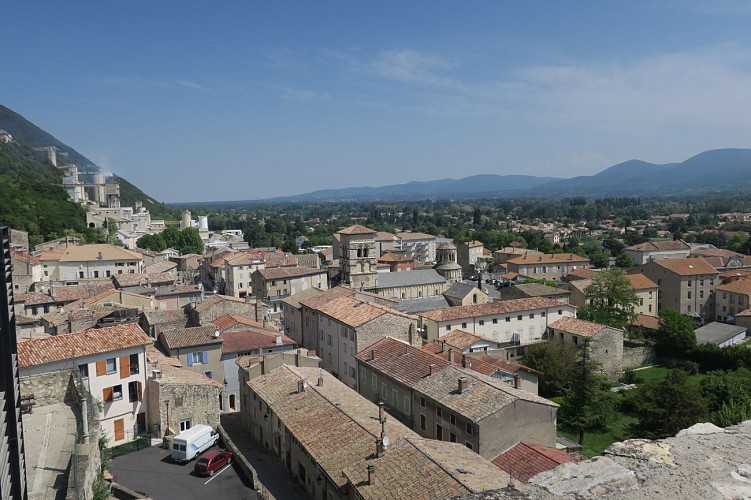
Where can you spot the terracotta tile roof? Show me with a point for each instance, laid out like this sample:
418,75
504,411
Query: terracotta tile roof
77,345
487,364
296,299
714,252
276,273
333,423
50,255
400,361
87,253
577,327
501,307
419,468
160,317
250,340
581,274
357,229
123,280
180,338
70,293
310,260
173,372
25,257
460,339
651,322
385,236
244,259
640,282
208,303
549,258
734,274
540,290
78,310
660,246
33,298
687,267
414,236
474,243
740,286
355,313
526,460
233,320
483,396
166,290
392,257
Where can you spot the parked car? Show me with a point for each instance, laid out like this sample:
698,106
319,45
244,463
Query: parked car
212,461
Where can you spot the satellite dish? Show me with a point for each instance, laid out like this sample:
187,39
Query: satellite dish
385,441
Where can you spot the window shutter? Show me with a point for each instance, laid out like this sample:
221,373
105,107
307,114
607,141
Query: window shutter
205,355
101,368
107,394
140,392
124,366
119,429
190,359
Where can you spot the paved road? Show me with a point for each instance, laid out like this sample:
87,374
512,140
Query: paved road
153,472
271,473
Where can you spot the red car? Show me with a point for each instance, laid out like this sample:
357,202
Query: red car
212,461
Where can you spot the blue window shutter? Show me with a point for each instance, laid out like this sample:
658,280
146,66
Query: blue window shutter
205,357
190,359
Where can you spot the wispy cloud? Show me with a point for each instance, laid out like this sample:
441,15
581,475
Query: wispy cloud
300,95
411,67
139,83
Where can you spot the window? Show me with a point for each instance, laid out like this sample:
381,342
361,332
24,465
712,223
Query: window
395,398
495,321
134,391
198,358
576,340
134,368
117,392
185,424
641,301
438,412
448,328
452,418
352,371
422,402
689,283
469,445
519,318
84,370
560,312
701,282
452,437
329,339
542,314
406,405
482,322
531,315
422,422
469,429
464,325
111,365
375,382
701,295
209,374
508,319
689,296
384,392
711,282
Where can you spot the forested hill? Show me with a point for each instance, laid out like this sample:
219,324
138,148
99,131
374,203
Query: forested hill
28,134
32,199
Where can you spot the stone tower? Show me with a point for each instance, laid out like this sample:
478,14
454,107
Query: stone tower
446,263
357,261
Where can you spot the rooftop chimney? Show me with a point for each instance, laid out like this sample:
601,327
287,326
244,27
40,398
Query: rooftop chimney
372,354
443,345
320,381
517,381
278,339
380,411
371,475
431,368
301,386
463,382
451,356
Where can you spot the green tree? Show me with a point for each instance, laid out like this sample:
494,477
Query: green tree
624,261
589,404
556,361
720,387
190,241
664,407
612,299
676,335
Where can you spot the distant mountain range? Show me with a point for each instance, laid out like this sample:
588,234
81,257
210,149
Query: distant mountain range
712,171
719,170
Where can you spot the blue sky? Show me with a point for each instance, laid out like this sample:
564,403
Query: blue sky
196,101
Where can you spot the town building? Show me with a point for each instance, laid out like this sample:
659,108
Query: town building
112,364
732,298
547,266
410,285
446,263
604,343
515,249
515,322
528,290
654,250
274,284
419,246
92,261
469,253
396,263
720,334
464,294
198,348
212,307
686,285
646,291
239,271
358,259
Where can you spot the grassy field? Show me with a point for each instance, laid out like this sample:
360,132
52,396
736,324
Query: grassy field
659,373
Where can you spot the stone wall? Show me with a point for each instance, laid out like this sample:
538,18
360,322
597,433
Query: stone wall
49,388
606,348
89,467
634,357
247,469
198,402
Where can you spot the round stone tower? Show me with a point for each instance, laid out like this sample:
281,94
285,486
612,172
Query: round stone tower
446,263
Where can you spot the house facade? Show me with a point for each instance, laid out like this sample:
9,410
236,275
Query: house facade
469,253
547,266
604,344
112,365
731,299
274,284
96,261
654,250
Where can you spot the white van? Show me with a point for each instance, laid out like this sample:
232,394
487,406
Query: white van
189,444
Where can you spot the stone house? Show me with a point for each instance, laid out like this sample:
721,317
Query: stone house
469,253
273,284
604,343
685,285
646,291
154,322
347,325
291,404
547,266
731,299
95,261
292,314
514,322
654,250
178,398
512,251
486,415
198,348
239,270
177,296
215,306
464,294
27,270
112,364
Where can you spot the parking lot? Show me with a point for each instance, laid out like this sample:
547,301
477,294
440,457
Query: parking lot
152,471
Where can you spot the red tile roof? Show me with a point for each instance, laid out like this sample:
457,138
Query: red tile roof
740,286
500,307
251,340
402,362
687,267
548,258
232,320
355,313
640,282
357,229
659,246
77,345
526,460
577,327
